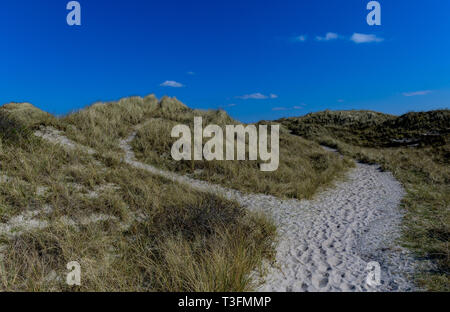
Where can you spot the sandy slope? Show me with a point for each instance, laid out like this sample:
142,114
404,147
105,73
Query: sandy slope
326,243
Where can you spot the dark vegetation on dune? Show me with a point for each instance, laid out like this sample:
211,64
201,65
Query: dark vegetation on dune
416,148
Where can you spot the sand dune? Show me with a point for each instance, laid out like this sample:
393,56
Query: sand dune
326,243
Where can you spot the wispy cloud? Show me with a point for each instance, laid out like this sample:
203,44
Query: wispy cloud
341,100
364,38
300,106
416,93
257,96
171,83
253,96
190,73
229,105
356,38
329,36
301,38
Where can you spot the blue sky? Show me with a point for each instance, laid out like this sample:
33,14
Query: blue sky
255,59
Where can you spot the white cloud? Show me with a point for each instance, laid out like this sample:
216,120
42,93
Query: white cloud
356,37
190,73
415,93
257,96
171,83
299,106
364,38
227,105
281,108
341,101
329,36
253,96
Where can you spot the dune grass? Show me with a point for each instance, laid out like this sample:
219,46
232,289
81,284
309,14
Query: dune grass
304,166
129,230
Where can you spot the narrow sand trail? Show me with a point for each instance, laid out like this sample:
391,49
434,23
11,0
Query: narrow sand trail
326,243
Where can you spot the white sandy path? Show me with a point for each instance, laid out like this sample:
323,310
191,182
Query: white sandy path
325,243
56,137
